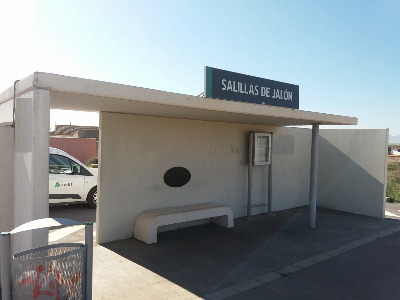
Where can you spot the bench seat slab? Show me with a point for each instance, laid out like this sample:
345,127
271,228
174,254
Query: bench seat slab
147,223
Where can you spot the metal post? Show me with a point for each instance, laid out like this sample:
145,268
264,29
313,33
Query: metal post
270,180
6,266
314,175
89,259
250,173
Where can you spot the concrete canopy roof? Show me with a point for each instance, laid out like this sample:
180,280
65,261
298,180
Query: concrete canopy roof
79,94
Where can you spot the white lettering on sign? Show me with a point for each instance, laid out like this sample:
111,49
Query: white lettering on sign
283,95
265,91
251,89
239,87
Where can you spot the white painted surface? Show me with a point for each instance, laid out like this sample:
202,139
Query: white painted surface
136,151
148,222
58,234
207,136
6,178
312,204
6,112
352,171
389,214
291,152
395,152
91,95
31,166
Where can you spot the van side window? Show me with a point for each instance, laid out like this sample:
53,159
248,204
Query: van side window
59,164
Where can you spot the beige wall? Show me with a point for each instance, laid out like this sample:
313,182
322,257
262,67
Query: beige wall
352,170
136,151
80,148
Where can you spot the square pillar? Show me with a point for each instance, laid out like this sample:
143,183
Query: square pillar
31,165
314,175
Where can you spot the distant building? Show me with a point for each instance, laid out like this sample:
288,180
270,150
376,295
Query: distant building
78,141
83,132
394,151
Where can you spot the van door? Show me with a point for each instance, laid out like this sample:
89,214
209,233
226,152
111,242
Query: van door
66,184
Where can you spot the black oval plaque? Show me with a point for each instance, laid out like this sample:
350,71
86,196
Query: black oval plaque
177,177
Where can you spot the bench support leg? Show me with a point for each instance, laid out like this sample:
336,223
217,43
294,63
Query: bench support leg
223,221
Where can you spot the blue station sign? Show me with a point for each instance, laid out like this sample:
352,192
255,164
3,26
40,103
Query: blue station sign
221,84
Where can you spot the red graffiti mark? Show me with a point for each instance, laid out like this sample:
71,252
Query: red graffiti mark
44,285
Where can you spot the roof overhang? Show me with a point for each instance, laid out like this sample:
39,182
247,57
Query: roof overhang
79,94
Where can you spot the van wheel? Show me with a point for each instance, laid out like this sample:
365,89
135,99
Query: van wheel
91,199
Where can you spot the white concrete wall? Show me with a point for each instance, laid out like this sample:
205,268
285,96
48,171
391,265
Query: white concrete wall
136,151
24,183
31,166
6,112
290,167
352,171
6,178
6,169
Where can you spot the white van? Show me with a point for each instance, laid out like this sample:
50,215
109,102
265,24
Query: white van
70,180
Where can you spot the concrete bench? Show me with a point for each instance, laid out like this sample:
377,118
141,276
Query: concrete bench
147,223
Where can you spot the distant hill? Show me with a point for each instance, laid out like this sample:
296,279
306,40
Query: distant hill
394,139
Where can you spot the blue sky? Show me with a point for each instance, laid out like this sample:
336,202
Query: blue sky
344,55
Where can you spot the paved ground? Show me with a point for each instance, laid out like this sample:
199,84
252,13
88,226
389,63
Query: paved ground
392,210
79,212
370,271
269,257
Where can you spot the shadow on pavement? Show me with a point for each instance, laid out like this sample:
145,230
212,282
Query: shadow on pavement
208,258
77,211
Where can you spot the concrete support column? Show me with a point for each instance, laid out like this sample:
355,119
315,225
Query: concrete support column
270,179
31,165
314,175
250,174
